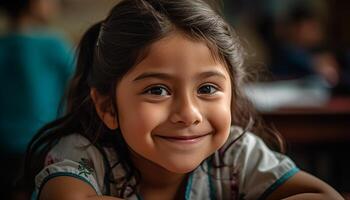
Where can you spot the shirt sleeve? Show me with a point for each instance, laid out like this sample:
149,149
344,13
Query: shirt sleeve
73,156
260,170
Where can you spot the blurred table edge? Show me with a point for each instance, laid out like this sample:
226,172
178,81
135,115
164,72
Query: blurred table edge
328,123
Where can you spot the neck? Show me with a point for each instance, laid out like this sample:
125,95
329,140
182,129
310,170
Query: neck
156,180
22,23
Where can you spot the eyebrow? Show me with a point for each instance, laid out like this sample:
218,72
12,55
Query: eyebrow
166,76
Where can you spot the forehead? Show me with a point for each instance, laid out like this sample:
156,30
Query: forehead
179,53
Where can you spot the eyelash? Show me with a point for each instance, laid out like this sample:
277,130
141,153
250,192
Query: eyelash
210,85
149,90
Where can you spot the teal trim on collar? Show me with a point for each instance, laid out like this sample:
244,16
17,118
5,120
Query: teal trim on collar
57,174
212,191
139,197
279,182
34,195
189,187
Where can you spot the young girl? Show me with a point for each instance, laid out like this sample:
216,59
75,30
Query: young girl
154,112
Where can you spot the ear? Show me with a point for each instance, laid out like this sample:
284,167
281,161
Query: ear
104,109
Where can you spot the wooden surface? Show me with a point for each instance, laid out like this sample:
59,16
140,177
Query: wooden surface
329,123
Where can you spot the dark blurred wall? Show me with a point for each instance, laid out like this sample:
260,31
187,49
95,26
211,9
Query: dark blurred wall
339,27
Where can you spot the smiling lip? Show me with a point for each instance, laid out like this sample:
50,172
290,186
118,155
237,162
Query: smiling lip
184,139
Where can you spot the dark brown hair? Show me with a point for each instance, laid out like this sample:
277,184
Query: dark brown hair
110,48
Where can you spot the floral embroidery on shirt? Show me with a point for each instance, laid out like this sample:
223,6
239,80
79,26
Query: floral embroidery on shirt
85,167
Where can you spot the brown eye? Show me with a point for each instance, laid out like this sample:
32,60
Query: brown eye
157,90
207,89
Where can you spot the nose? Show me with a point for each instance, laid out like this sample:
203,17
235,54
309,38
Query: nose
186,112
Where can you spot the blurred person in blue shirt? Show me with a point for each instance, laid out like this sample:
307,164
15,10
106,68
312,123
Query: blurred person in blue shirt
35,66
301,49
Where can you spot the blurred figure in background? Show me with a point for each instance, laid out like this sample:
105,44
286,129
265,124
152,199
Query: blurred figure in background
299,49
292,37
35,65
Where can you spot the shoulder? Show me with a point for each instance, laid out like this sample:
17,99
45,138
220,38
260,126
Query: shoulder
71,147
47,34
257,168
49,40
74,156
243,143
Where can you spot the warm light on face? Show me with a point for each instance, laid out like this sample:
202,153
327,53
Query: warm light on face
174,106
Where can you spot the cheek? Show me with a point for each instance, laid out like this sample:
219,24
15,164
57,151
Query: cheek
138,118
219,117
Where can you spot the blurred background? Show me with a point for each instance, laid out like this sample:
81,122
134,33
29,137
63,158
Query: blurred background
304,93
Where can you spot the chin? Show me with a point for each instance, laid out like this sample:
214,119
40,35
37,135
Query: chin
181,168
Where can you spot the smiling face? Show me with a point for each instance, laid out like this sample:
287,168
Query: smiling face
174,106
